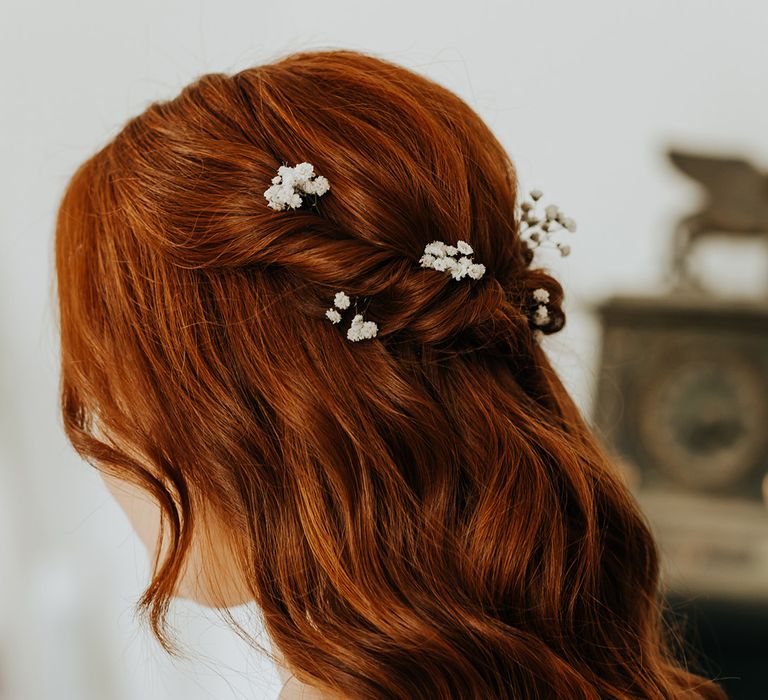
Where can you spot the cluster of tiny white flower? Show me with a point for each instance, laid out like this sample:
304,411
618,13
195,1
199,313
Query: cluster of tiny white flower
359,330
535,230
283,192
440,256
541,316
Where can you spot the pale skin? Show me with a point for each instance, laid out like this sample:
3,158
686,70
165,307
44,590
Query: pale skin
144,514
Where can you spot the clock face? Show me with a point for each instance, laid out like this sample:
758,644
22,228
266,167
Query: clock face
704,420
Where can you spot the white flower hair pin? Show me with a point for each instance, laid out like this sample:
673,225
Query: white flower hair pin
535,229
289,181
440,256
541,315
359,329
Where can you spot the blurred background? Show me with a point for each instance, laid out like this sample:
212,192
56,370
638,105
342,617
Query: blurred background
665,347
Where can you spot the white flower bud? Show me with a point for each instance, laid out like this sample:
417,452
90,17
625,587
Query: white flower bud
436,248
341,300
427,260
285,172
370,329
464,248
317,186
442,264
476,271
303,171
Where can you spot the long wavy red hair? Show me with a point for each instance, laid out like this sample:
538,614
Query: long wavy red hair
420,515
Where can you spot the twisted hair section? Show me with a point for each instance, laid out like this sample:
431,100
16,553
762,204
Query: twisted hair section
423,515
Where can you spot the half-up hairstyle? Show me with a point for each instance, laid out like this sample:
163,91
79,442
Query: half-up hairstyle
423,515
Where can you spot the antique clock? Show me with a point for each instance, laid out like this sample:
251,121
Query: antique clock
683,393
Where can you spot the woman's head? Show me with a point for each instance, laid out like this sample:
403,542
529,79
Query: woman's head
423,514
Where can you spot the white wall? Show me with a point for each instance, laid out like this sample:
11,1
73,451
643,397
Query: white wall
585,95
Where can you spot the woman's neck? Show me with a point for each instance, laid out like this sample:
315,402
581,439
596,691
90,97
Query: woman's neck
294,689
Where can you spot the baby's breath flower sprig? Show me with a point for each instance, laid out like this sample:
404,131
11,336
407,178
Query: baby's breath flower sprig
442,257
541,315
359,329
289,181
536,229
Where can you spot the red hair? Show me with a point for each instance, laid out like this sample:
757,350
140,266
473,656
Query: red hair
420,515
